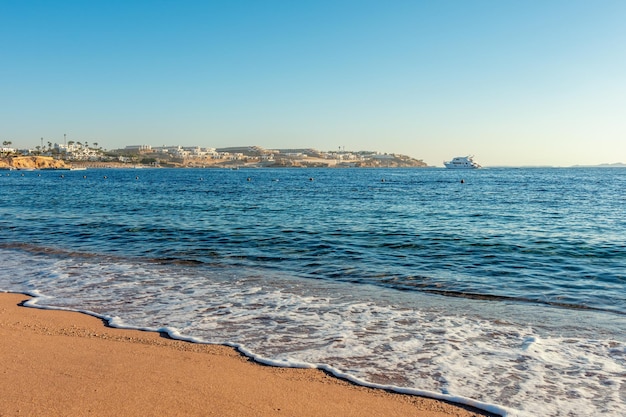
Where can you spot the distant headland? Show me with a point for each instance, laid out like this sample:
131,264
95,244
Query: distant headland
32,162
77,154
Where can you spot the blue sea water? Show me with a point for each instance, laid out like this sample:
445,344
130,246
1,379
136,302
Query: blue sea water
506,291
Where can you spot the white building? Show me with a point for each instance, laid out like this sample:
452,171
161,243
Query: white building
6,150
76,151
138,148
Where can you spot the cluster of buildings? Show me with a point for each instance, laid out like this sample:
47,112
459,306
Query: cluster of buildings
252,152
72,151
76,151
155,155
191,152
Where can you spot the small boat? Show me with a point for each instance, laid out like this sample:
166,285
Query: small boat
462,162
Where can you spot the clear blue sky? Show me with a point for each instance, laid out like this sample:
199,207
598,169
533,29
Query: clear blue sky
512,82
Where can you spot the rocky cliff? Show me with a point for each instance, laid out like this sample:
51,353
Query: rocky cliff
32,162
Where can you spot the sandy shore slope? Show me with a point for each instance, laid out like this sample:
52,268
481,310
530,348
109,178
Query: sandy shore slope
56,363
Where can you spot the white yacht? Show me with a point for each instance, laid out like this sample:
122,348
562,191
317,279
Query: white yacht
462,162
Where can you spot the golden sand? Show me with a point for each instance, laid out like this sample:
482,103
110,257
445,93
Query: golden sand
57,363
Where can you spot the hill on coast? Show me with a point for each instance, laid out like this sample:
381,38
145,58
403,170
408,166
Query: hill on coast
32,162
256,156
190,157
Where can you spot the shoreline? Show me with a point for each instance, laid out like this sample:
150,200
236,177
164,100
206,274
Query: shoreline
69,363
49,162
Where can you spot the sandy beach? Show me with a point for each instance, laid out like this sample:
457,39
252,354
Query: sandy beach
58,363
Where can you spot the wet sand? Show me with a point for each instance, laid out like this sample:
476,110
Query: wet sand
58,363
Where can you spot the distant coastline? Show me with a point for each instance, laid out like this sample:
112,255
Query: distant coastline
613,165
84,156
227,158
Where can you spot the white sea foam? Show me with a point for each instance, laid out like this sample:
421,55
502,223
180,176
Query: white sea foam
454,349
